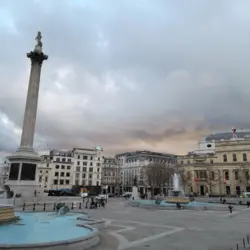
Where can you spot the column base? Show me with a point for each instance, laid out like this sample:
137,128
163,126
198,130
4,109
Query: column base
22,175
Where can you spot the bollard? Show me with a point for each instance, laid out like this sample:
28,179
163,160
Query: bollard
237,247
80,205
248,240
244,244
34,206
44,206
23,206
72,206
54,207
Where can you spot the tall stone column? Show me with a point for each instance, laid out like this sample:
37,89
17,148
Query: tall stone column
22,175
29,123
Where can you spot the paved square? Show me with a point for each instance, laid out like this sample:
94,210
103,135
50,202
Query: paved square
136,228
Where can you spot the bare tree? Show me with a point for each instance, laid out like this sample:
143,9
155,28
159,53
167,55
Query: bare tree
158,174
212,179
186,179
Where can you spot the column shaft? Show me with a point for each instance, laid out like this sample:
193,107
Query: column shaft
29,121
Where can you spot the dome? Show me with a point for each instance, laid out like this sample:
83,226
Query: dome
226,135
98,148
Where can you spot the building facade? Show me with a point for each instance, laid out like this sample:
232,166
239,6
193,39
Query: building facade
87,166
4,170
62,169
222,172
133,167
111,176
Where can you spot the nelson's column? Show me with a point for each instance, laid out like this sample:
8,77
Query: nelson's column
22,175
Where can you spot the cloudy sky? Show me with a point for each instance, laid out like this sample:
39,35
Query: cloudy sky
126,74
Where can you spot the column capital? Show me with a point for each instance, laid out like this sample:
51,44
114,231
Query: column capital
37,57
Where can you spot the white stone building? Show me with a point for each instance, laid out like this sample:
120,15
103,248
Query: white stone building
111,175
87,166
62,169
4,170
132,166
44,171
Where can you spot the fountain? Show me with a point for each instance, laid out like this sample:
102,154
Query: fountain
7,213
135,195
176,199
176,194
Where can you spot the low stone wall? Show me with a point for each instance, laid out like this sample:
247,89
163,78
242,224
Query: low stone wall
198,208
76,244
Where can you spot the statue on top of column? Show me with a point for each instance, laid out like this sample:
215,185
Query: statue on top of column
39,45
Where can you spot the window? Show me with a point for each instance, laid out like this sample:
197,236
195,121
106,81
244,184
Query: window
61,182
90,169
85,157
77,175
90,176
91,158
83,182
69,160
76,183
78,163
98,164
98,158
234,157
98,169
91,164
236,175
55,182
62,174
67,182
97,183
84,169
188,162
211,161
78,157
63,159
57,166
83,175
57,159
47,172
77,169
181,162
226,175
40,178
47,165
68,167
84,163
41,171
56,173
62,167
68,174
247,176
90,183
244,156
225,158
98,176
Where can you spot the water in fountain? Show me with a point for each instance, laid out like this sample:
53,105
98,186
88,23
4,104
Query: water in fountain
177,188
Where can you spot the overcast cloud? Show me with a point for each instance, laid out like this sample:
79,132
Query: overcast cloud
126,74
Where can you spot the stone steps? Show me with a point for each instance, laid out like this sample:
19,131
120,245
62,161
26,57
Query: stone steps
6,214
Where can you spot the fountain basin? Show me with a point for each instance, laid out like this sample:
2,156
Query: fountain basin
172,206
48,231
7,214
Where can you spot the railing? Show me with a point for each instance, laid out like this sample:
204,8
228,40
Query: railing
76,206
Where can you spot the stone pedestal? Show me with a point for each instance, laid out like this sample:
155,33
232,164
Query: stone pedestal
22,176
135,194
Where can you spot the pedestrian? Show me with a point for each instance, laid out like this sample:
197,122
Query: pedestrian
230,207
248,204
35,193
